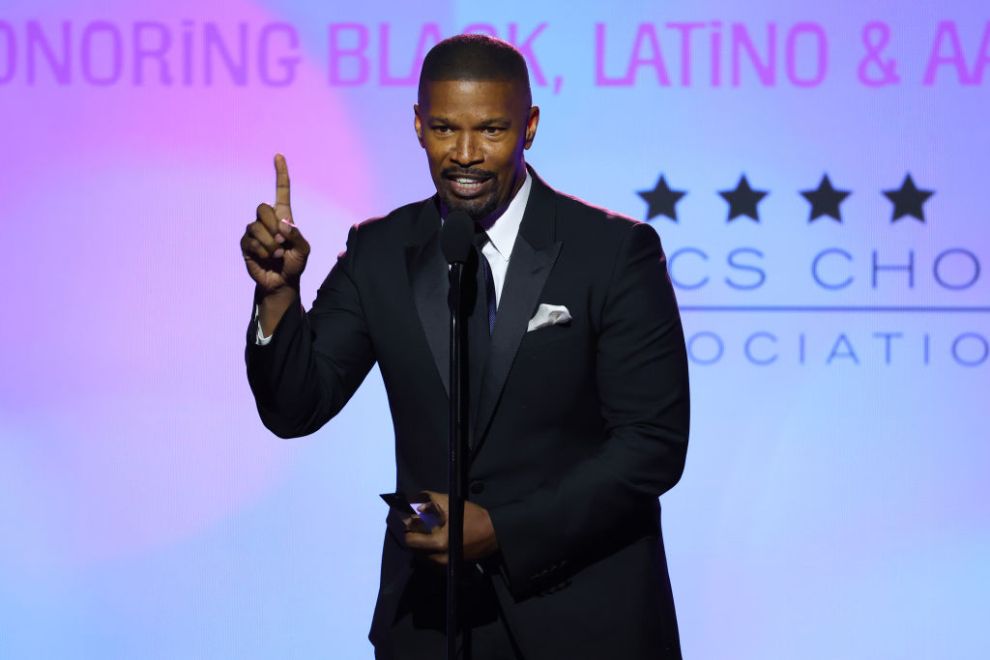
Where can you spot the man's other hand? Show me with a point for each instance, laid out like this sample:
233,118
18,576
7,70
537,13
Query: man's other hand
479,535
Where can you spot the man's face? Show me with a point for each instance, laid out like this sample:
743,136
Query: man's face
474,133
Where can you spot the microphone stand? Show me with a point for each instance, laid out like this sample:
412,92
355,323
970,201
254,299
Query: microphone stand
457,442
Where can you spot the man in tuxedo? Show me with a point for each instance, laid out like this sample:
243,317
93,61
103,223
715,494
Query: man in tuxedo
578,386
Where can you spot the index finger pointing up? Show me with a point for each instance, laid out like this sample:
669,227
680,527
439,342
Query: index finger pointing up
282,209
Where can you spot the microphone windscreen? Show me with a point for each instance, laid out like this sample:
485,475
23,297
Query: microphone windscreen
457,237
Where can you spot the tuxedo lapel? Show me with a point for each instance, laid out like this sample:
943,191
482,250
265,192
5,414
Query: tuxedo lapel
427,271
533,256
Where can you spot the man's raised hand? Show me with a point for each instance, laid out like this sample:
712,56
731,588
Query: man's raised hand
274,250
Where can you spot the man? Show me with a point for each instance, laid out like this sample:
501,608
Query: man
579,394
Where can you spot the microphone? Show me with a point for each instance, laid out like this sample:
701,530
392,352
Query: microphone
457,241
457,237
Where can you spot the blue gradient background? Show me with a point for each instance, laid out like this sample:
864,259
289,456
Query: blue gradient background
830,509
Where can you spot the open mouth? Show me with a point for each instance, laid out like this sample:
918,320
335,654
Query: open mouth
467,186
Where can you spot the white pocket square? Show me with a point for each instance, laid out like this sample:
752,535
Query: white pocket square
548,315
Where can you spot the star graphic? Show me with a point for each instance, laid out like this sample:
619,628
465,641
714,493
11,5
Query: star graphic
908,200
825,200
661,200
743,200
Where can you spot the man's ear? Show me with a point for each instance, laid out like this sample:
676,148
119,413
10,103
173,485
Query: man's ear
418,125
531,123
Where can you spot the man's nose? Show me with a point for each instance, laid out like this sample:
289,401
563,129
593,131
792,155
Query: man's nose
466,150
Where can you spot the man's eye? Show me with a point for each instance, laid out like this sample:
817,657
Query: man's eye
493,130
442,130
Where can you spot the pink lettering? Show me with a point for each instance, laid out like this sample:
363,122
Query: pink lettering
647,34
685,30
815,32
946,32
765,68
356,53
526,48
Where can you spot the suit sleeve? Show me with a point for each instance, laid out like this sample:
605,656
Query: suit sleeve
315,361
642,378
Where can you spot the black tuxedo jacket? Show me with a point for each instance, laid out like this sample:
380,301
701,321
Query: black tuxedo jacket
577,428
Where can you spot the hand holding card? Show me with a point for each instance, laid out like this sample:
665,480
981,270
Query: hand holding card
424,515
426,528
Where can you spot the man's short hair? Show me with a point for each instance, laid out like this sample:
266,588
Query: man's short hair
475,57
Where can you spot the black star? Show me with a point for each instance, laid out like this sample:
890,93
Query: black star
825,200
743,200
908,200
661,200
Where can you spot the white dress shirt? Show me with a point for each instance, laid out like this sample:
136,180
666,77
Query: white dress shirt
498,250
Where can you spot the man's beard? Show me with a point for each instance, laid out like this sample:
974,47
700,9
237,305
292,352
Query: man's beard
480,207
477,208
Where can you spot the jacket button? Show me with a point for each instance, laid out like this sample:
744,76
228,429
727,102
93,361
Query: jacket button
477,487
